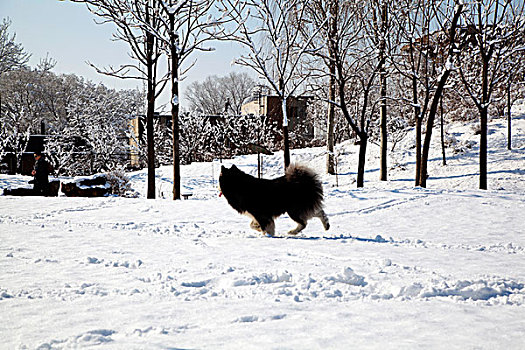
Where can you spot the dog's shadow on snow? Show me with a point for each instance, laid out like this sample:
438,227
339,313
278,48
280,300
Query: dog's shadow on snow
342,238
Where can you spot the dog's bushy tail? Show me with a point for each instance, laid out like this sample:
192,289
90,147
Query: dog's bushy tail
306,189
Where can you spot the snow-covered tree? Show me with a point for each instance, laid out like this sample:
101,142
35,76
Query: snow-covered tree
493,36
22,111
86,125
192,130
163,143
96,134
12,55
379,30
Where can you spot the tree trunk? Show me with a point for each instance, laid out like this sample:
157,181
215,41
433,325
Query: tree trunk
330,156
330,124
382,75
360,132
483,116
437,96
149,119
363,141
419,122
175,108
483,113
442,132
509,119
150,43
384,132
430,125
286,141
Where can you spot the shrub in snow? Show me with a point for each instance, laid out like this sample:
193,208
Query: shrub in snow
457,146
119,183
204,138
476,129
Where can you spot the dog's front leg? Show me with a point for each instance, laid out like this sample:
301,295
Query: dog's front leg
269,228
255,225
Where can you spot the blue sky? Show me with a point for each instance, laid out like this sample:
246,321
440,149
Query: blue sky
67,32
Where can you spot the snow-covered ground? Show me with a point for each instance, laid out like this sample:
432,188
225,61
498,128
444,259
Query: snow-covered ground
400,268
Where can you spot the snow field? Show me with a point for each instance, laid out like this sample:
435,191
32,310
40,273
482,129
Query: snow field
400,267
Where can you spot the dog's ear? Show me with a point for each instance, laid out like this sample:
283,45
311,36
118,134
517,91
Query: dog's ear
234,167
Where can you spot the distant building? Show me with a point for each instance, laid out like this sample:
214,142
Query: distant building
262,103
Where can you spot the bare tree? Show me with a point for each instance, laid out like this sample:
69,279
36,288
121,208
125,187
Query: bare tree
206,97
135,22
218,95
183,28
269,30
514,76
355,39
358,64
448,19
324,15
356,85
379,30
356,69
493,30
330,122
428,47
238,87
413,62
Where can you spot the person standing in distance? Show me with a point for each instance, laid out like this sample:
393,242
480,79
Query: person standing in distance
40,173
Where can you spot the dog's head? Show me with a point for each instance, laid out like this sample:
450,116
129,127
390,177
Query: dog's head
228,177
232,171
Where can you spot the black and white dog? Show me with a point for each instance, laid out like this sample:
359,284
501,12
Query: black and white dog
298,193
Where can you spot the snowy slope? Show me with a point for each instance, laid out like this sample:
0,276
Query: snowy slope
401,267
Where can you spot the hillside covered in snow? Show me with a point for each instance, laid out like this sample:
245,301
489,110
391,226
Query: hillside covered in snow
401,267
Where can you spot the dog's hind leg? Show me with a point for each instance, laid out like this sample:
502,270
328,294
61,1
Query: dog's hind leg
301,224
324,219
299,228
